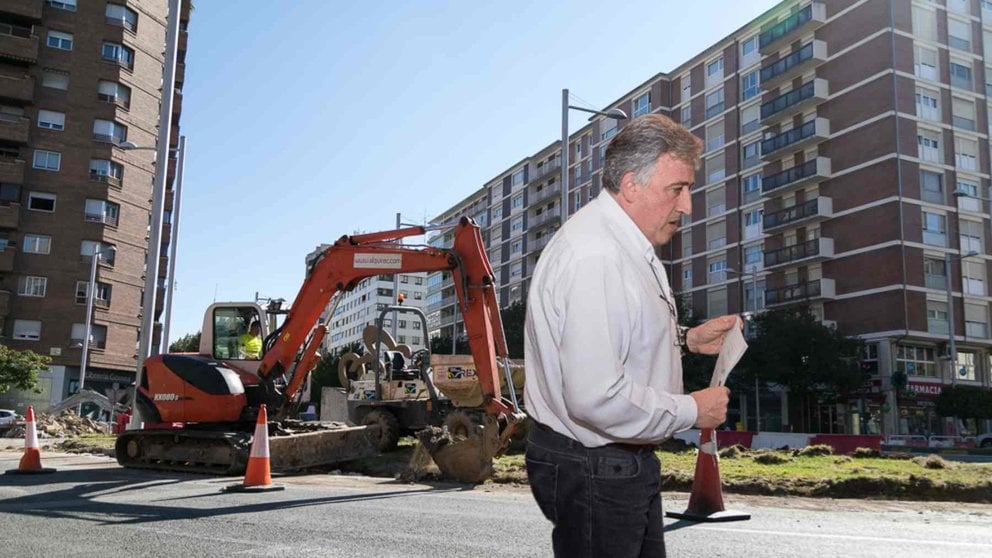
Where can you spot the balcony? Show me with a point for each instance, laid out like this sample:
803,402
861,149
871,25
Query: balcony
7,255
4,303
810,251
27,9
10,216
812,54
802,22
11,171
14,128
813,210
546,193
539,243
447,319
546,170
819,289
109,179
180,74
18,43
17,88
811,171
798,100
549,216
810,133
163,267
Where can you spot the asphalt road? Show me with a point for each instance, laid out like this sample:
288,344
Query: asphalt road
91,507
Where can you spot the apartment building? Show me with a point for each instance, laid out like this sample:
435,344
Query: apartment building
347,316
77,80
846,158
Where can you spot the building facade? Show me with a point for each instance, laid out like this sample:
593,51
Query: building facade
846,155
77,80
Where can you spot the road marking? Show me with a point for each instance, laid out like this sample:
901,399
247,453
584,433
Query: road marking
845,537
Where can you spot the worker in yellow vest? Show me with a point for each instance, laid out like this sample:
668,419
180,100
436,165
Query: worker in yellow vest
251,342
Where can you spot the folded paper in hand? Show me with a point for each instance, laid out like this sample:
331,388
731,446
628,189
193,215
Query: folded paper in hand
730,354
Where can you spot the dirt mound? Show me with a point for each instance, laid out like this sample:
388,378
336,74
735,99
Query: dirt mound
862,453
733,452
771,457
812,451
933,461
63,425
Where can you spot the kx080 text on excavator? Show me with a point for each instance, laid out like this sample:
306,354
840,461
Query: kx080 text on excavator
198,411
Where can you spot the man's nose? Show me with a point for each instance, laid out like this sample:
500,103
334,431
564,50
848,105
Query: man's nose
684,204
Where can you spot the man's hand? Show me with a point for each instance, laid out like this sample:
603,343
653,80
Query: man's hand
711,404
707,338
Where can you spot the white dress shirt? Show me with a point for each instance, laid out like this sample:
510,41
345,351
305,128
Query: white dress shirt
603,361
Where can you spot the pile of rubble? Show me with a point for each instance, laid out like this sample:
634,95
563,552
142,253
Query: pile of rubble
64,425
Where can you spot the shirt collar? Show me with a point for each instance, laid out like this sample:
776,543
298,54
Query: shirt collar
618,219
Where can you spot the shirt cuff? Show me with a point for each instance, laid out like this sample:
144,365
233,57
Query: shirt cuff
685,411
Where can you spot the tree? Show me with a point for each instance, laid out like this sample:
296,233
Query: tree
697,370
441,345
514,316
19,369
964,402
189,343
793,349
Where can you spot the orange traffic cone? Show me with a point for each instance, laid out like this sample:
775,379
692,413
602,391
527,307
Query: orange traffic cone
258,477
31,460
706,498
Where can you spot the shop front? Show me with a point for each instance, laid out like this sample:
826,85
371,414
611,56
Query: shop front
918,413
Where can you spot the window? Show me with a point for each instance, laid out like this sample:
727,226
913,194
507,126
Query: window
27,330
716,235
101,211
109,131
966,153
961,74
686,82
749,47
517,202
959,6
40,201
752,184
98,335
753,223
749,118
54,79
969,201
753,258
934,273
687,116
497,213
686,243
970,236
517,246
973,276
59,40
642,104
32,286
67,5
924,23
934,229
716,201
916,361
47,160
963,111
100,298
686,277
517,179
37,244
10,193
931,186
608,129
107,254
937,317
928,104
925,63
715,168
517,225
751,153
714,103
717,268
119,15
976,324
749,85
51,120
714,135
516,270
958,34
102,169
118,53
114,93
716,302
928,144
714,72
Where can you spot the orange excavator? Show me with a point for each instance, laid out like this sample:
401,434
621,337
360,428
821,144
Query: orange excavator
198,410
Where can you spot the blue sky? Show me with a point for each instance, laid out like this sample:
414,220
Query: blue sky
313,119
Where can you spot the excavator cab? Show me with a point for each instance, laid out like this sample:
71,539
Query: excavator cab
226,326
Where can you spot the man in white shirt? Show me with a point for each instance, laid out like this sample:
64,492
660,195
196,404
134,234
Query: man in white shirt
603,350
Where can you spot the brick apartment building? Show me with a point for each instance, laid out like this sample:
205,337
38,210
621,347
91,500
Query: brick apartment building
839,138
76,80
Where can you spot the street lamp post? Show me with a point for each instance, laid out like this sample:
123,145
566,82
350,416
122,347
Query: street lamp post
754,312
611,113
87,329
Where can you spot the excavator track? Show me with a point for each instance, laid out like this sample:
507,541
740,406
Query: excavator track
186,451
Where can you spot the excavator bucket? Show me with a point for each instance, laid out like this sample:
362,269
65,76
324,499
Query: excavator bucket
465,447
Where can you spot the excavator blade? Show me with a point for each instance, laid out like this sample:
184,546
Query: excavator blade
322,446
465,447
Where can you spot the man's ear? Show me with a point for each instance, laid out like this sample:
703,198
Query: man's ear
629,188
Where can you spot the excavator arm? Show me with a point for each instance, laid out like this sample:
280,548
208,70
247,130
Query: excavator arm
353,258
